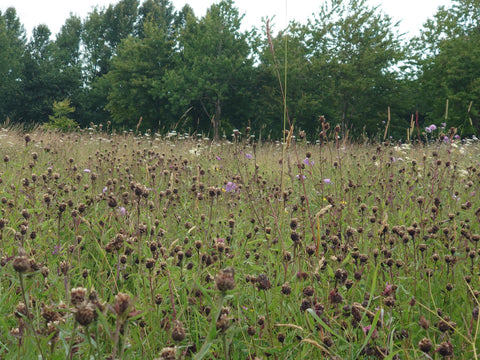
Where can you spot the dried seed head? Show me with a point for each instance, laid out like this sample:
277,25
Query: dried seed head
225,279
45,271
168,353
178,331
122,303
389,301
263,283
305,304
475,313
287,256
445,349
64,267
311,249
150,263
445,324
335,297
77,295
223,323
294,236
308,291
286,289
21,310
85,314
293,223
21,264
425,345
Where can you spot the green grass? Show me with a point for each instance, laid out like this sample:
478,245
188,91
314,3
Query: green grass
363,265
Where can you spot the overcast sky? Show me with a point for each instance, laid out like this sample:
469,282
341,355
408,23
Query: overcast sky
411,13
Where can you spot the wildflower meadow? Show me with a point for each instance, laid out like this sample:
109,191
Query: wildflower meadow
141,246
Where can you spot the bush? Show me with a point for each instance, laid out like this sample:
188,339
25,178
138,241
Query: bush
60,120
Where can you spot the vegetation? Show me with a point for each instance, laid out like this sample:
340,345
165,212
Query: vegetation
60,120
175,71
150,247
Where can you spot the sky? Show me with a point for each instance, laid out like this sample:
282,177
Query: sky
412,14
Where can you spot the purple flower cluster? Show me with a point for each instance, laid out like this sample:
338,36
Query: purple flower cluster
308,162
431,128
230,187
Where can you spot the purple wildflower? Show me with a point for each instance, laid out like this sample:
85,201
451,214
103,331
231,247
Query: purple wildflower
456,137
230,186
218,158
104,189
248,156
121,211
388,289
308,162
327,181
366,330
56,249
428,130
87,170
301,176
433,127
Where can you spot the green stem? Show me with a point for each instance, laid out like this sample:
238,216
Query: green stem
28,317
72,339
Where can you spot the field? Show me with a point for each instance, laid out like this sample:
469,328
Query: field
149,247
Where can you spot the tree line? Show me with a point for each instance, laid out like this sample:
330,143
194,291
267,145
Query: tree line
151,66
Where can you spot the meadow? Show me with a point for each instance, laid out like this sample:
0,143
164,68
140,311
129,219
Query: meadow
124,246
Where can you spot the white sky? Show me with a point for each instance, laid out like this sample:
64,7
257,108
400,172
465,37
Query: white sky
411,13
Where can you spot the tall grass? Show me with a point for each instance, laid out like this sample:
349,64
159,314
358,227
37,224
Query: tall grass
124,246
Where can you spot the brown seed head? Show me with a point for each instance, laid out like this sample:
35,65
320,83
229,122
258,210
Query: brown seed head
225,279
425,345
263,283
122,303
178,331
85,314
308,291
286,289
168,353
21,310
21,264
77,295
445,349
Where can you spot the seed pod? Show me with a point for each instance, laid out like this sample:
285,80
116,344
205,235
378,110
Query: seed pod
178,331
21,264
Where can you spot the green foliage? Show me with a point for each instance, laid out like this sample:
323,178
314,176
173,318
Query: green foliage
355,52
60,119
212,66
137,72
12,46
304,96
134,59
450,68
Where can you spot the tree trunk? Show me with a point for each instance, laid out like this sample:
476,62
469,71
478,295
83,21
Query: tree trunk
344,118
216,120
